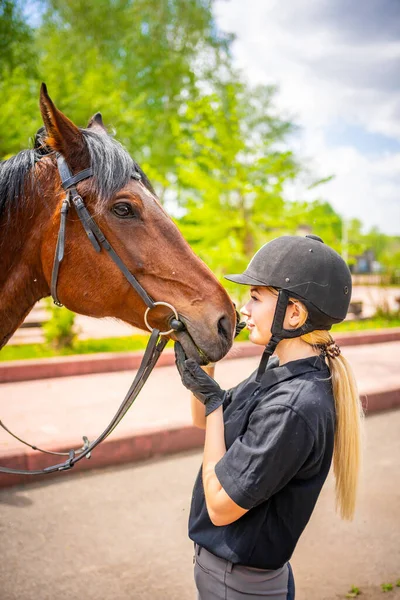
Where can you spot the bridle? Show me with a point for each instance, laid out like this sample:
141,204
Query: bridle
156,343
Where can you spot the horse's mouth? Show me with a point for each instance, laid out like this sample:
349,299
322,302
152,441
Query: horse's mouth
190,347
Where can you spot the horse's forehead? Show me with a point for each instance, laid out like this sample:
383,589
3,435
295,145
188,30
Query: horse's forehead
147,192
152,197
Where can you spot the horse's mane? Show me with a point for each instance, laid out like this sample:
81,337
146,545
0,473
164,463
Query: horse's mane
111,163
13,179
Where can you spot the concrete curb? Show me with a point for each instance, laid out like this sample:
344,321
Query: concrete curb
143,445
113,451
84,364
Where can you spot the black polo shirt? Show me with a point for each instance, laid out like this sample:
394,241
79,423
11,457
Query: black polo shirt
279,437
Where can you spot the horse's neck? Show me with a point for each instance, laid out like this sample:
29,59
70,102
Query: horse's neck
22,282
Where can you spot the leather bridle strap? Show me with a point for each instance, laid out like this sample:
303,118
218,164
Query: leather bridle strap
157,339
91,228
150,358
94,233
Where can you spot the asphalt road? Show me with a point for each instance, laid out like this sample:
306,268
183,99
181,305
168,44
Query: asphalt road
120,534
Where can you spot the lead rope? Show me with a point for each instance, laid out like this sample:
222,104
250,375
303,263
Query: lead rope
153,351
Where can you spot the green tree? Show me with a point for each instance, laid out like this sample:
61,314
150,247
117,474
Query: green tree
141,60
320,217
161,73
16,39
18,79
231,172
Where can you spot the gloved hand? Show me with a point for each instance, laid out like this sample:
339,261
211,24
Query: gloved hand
204,387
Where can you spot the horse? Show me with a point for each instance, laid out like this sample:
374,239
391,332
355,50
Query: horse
124,205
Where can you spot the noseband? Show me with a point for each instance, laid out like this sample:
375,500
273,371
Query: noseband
157,341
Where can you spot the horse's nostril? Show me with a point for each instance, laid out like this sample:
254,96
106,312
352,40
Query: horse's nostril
224,327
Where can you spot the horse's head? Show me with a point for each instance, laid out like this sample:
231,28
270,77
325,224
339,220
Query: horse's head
143,235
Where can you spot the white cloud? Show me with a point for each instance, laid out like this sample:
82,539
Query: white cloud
334,68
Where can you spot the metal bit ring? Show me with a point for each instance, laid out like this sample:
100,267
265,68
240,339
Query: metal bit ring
149,327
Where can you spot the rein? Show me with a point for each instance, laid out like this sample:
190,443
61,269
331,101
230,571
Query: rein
156,343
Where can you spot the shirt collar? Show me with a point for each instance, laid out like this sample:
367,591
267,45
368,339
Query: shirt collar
277,374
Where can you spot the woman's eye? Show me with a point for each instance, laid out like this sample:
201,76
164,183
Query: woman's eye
254,298
123,210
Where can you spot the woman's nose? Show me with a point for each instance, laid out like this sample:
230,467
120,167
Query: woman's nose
245,310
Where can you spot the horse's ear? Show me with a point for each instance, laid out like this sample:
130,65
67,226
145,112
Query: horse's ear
96,123
62,135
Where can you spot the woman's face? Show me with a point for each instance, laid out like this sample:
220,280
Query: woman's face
260,310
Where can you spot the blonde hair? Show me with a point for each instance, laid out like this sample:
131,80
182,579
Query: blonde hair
347,453
348,431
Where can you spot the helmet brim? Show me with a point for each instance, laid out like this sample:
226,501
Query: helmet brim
245,279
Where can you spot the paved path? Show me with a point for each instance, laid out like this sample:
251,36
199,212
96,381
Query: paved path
120,534
57,412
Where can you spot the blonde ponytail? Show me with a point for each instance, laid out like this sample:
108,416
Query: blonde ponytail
348,432
347,452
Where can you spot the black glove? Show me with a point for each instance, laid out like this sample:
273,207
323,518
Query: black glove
204,387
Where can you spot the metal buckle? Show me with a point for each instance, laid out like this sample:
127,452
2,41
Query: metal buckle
149,327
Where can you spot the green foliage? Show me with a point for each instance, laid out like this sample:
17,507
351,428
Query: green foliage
387,587
16,39
384,312
59,331
380,322
134,61
231,172
354,592
161,73
18,80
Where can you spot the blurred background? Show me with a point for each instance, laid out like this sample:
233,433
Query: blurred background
250,122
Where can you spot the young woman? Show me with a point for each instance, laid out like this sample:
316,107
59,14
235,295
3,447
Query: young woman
270,440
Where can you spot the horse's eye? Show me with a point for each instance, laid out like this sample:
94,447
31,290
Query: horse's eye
123,210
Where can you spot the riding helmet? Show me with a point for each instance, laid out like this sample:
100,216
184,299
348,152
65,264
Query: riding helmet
307,268
304,268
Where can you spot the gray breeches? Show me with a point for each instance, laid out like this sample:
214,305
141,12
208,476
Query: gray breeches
219,579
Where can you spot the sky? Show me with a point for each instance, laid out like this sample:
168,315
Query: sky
337,67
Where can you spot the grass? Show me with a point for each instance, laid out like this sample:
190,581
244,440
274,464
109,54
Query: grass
138,342
374,323
120,344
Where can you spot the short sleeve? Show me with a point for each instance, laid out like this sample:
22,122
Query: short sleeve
267,456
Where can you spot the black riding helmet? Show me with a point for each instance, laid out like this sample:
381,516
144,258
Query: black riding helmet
304,268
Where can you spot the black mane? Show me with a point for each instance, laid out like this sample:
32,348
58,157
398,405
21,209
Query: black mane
111,163
13,178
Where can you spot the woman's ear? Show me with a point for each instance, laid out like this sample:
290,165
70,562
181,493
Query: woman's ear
294,316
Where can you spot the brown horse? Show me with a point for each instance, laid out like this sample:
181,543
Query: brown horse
132,219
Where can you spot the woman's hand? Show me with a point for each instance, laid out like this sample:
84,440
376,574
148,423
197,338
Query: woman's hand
204,387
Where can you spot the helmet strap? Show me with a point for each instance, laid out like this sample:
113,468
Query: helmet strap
279,333
276,330
268,352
